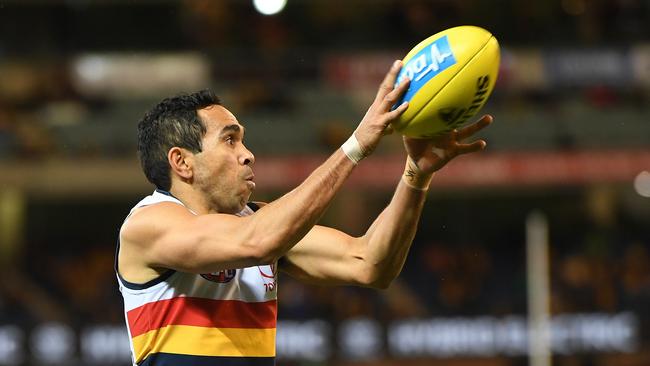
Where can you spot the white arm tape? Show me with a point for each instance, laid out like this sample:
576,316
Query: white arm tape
352,149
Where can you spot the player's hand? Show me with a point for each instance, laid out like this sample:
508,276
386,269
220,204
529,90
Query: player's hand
431,155
376,122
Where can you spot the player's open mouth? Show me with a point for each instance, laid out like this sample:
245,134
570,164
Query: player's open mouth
250,181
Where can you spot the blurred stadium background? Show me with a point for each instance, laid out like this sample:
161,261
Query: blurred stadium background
571,140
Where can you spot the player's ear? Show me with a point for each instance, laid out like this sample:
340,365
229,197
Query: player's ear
181,161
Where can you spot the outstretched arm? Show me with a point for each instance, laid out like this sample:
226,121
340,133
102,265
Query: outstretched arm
329,256
168,236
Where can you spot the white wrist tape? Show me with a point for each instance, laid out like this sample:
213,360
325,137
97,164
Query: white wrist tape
414,177
352,149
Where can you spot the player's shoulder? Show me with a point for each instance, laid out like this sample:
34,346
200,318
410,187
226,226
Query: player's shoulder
146,222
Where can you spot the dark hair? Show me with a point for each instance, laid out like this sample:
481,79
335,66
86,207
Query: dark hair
172,122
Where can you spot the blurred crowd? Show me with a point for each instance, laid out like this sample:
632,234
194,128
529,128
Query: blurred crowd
598,264
270,63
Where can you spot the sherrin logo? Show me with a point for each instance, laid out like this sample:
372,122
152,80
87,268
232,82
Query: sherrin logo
423,66
457,116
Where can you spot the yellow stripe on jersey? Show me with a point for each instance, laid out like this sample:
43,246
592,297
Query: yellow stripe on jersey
201,341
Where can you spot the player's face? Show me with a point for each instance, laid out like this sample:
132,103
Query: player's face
223,170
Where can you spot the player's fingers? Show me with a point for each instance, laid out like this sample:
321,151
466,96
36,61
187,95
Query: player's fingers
394,96
474,127
389,80
470,148
392,115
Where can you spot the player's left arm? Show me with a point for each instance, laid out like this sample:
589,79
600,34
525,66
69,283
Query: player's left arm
329,256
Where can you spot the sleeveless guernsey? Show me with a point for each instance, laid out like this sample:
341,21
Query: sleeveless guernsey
221,318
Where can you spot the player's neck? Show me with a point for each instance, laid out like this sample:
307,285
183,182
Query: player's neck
190,199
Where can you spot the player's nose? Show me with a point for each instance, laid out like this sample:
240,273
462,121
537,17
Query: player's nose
247,157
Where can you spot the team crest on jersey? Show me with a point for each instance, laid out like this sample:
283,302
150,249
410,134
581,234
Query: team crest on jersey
220,277
268,273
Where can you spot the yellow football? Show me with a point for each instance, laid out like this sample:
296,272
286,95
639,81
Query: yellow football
452,75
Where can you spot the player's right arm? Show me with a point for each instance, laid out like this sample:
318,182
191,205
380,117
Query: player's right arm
167,235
